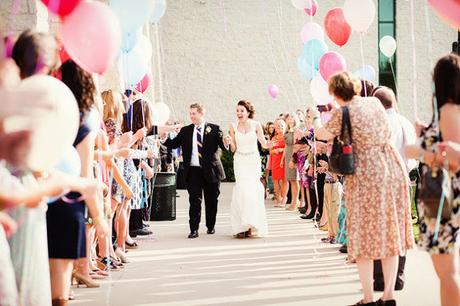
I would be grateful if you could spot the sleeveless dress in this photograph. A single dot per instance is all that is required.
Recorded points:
(248, 204)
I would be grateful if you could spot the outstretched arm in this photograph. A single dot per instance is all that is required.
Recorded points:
(231, 132)
(260, 135)
(222, 143)
(176, 142)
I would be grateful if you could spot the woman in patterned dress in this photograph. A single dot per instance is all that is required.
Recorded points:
(377, 194)
(444, 250)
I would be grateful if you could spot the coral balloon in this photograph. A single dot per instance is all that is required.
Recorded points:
(337, 28)
(144, 84)
(92, 36)
(387, 45)
(311, 30)
(53, 130)
(311, 11)
(359, 14)
(449, 10)
(273, 91)
(61, 7)
(331, 63)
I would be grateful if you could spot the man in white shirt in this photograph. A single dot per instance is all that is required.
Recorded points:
(402, 130)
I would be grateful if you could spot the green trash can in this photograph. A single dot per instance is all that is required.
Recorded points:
(163, 197)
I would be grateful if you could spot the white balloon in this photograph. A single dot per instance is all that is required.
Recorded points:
(302, 4)
(53, 131)
(158, 11)
(319, 90)
(387, 45)
(93, 119)
(311, 30)
(162, 112)
(145, 46)
(367, 72)
(359, 14)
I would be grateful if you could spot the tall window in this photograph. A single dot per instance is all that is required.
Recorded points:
(387, 26)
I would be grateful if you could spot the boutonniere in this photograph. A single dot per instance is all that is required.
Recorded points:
(208, 130)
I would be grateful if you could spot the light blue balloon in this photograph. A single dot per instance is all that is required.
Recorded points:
(129, 40)
(69, 164)
(305, 69)
(313, 50)
(132, 14)
(158, 11)
(366, 72)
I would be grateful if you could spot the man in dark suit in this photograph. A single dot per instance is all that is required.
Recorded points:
(203, 169)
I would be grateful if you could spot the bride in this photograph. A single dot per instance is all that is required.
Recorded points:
(248, 205)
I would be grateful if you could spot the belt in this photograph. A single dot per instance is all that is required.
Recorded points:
(245, 154)
(330, 182)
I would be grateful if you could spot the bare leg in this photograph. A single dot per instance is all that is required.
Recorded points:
(366, 270)
(446, 266)
(284, 191)
(294, 194)
(390, 270)
(122, 228)
(60, 275)
(82, 264)
(276, 186)
(302, 196)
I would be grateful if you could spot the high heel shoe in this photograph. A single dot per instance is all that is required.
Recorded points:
(83, 280)
(60, 302)
(241, 235)
(248, 233)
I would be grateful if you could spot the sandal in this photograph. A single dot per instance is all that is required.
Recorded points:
(131, 245)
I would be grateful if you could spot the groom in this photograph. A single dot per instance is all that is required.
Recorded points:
(203, 169)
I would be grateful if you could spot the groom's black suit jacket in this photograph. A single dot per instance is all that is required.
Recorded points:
(212, 140)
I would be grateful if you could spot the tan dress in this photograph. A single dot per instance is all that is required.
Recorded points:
(378, 200)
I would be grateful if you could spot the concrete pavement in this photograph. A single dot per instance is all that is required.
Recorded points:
(289, 267)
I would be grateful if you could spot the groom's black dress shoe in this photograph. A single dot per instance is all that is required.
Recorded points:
(211, 231)
(193, 234)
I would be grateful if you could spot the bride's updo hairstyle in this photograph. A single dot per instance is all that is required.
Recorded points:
(342, 85)
(248, 106)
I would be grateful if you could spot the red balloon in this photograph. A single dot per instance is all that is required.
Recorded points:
(61, 7)
(330, 64)
(312, 11)
(449, 10)
(337, 28)
(144, 84)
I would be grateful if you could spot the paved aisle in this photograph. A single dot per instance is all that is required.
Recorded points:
(289, 267)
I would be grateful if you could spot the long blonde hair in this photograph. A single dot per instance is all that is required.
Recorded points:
(289, 127)
(113, 107)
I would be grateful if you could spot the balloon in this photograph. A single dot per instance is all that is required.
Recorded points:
(273, 91)
(313, 50)
(61, 7)
(53, 130)
(337, 28)
(311, 30)
(311, 11)
(129, 40)
(387, 45)
(92, 37)
(305, 68)
(135, 64)
(163, 112)
(8, 46)
(359, 14)
(449, 10)
(367, 72)
(320, 91)
(145, 47)
(69, 164)
(93, 119)
(302, 4)
(132, 14)
(144, 84)
(331, 63)
(158, 11)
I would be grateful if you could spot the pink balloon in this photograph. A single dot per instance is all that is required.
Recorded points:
(92, 36)
(144, 84)
(314, 7)
(273, 91)
(312, 30)
(449, 10)
(331, 63)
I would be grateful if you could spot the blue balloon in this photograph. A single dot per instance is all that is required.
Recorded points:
(367, 72)
(129, 40)
(158, 11)
(69, 164)
(305, 68)
(313, 50)
(132, 14)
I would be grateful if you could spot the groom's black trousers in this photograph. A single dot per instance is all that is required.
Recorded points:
(196, 187)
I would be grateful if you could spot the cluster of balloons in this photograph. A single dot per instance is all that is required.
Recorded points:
(136, 49)
(316, 63)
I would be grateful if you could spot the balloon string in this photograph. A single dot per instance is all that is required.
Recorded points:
(414, 61)
(362, 59)
(160, 75)
(393, 73)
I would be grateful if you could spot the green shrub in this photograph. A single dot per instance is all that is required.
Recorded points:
(227, 162)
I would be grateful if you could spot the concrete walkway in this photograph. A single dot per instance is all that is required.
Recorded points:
(290, 267)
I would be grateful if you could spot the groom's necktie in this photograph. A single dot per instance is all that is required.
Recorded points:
(199, 142)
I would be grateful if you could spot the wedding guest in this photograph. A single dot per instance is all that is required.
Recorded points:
(277, 163)
(291, 174)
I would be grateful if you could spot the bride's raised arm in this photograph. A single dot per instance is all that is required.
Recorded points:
(260, 135)
(232, 144)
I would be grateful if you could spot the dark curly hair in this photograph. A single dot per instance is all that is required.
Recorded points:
(33, 51)
(81, 84)
(248, 106)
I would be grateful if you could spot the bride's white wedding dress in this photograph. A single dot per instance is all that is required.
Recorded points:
(248, 204)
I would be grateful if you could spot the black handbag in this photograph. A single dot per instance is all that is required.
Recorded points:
(435, 190)
(342, 159)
